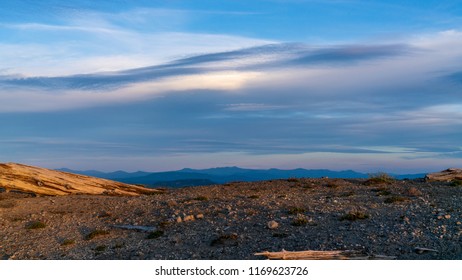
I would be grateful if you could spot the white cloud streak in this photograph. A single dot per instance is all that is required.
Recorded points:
(377, 81)
(92, 42)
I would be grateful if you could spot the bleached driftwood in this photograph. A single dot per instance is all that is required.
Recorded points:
(322, 255)
(42, 181)
(421, 250)
(446, 175)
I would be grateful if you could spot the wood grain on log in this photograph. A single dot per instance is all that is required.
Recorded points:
(447, 175)
(322, 255)
(42, 181)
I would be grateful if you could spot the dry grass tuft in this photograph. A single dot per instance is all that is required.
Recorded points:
(35, 225)
(7, 204)
(395, 199)
(68, 242)
(224, 239)
(95, 233)
(296, 210)
(354, 215)
(155, 234)
(456, 183)
(293, 180)
(379, 178)
(300, 221)
(413, 191)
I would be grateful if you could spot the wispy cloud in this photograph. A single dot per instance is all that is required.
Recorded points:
(82, 42)
(251, 107)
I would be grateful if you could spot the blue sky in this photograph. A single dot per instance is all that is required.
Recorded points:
(163, 85)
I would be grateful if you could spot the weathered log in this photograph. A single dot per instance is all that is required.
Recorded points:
(447, 175)
(421, 250)
(323, 255)
(42, 181)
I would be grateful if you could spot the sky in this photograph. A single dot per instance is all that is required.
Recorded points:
(164, 85)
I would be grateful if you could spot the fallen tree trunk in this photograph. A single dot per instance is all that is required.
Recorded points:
(322, 255)
(447, 175)
(42, 181)
(421, 250)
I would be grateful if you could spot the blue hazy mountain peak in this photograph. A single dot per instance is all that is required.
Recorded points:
(221, 175)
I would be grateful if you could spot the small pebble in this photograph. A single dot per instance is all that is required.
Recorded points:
(189, 218)
(273, 224)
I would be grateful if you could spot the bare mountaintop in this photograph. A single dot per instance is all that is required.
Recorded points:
(379, 216)
(42, 181)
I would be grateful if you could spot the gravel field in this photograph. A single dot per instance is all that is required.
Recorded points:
(237, 220)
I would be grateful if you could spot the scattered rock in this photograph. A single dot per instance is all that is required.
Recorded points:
(406, 220)
(179, 219)
(273, 225)
(172, 203)
(188, 218)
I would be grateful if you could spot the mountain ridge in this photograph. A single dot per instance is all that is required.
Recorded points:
(221, 175)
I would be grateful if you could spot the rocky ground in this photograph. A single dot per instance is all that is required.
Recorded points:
(234, 221)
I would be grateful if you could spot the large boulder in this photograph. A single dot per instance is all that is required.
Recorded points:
(42, 181)
(447, 175)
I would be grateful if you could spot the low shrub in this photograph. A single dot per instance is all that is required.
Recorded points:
(224, 238)
(300, 221)
(155, 234)
(280, 235)
(379, 178)
(96, 233)
(347, 194)
(395, 199)
(296, 210)
(101, 248)
(382, 191)
(7, 204)
(293, 180)
(354, 215)
(332, 185)
(456, 183)
(118, 246)
(35, 225)
(68, 242)
(413, 191)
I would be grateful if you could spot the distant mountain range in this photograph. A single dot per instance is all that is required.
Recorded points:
(221, 175)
